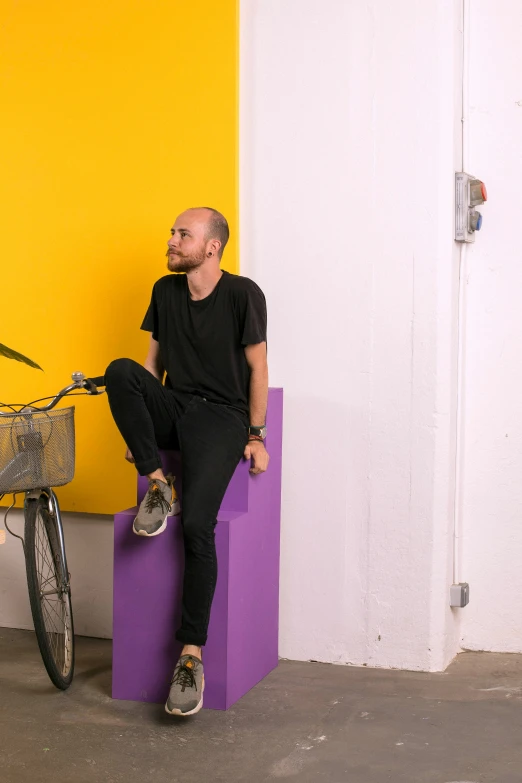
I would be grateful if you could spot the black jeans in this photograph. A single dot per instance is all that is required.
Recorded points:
(211, 439)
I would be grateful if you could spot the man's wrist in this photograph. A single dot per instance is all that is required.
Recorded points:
(257, 433)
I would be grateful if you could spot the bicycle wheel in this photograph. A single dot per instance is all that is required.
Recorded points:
(49, 592)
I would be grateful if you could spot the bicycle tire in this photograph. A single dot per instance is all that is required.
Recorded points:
(43, 554)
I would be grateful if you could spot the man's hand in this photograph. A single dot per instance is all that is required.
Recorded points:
(128, 456)
(255, 451)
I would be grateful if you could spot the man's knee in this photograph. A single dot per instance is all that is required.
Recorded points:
(119, 370)
(198, 533)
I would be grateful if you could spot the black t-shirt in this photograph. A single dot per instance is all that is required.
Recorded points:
(202, 341)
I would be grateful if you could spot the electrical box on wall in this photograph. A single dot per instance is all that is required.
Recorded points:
(459, 594)
(470, 192)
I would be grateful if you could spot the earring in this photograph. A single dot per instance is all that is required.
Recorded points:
(209, 254)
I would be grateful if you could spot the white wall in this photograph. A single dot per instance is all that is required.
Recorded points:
(349, 142)
(492, 499)
(350, 134)
(89, 546)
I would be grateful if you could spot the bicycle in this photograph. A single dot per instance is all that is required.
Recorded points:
(37, 451)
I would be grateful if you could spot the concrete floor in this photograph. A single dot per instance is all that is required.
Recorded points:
(306, 722)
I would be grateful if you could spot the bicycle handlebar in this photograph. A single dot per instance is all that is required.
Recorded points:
(92, 384)
(79, 382)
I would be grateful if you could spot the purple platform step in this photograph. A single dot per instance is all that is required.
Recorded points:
(242, 645)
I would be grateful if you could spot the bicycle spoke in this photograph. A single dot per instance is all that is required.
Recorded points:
(43, 542)
(54, 637)
(47, 605)
(47, 583)
(41, 547)
(58, 638)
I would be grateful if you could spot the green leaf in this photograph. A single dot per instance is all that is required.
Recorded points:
(18, 357)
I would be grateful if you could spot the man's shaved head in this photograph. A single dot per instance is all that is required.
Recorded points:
(217, 226)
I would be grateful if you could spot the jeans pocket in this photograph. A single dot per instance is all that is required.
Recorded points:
(231, 411)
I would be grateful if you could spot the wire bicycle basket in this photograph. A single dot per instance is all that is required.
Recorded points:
(37, 449)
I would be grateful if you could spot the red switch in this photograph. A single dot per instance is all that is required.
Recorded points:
(484, 192)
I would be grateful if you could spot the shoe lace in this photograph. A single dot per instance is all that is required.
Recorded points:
(184, 676)
(156, 499)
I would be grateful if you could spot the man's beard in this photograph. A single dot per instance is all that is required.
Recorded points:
(180, 263)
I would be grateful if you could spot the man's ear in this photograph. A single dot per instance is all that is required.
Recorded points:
(214, 247)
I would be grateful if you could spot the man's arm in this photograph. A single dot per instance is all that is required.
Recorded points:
(153, 362)
(258, 399)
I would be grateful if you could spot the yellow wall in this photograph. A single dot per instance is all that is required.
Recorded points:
(116, 115)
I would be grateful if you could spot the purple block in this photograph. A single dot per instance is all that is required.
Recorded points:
(242, 642)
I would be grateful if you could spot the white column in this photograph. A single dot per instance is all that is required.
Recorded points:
(350, 123)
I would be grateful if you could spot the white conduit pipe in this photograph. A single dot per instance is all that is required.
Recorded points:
(457, 511)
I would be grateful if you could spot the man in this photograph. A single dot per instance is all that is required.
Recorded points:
(209, 337)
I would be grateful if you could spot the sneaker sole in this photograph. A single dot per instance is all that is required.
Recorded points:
(159, 530)
(185, 714)
(192, 712)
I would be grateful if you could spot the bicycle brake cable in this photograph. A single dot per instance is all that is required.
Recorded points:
(5, 521)
(43, 399)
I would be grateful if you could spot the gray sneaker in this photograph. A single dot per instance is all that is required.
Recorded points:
(186, 687)
(159, 503)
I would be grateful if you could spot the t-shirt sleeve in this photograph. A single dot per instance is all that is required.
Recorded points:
(253, 315)
(150, 322)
